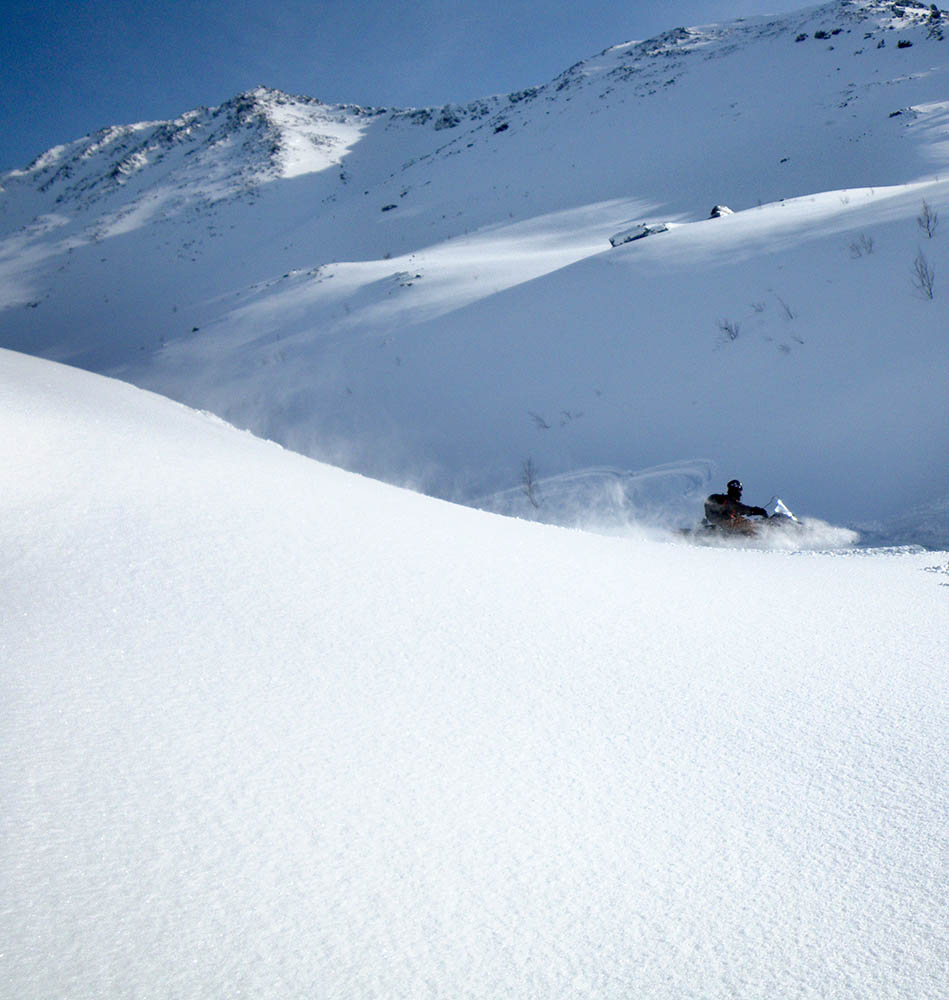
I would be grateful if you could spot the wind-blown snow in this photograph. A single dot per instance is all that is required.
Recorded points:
(272, 729)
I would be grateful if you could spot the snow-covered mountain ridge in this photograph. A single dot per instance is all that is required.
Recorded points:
(262, 130)
(429, 295)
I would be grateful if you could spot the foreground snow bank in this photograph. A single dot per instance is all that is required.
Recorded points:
(271, 729)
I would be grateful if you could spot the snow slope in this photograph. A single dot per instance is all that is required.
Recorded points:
(273, 729)
(430, 296)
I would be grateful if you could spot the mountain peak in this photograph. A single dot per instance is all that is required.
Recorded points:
(256, 136)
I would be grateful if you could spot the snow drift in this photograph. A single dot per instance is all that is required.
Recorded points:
(430, 296)
(272, 729)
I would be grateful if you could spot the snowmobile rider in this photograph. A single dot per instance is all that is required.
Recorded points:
(727, 510)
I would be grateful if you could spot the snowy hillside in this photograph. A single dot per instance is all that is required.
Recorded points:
(430, 296)
(272, 729)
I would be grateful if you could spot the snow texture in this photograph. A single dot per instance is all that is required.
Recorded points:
(272, 729)
(430, 296)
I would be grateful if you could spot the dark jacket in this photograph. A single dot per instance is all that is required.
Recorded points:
(723, 509)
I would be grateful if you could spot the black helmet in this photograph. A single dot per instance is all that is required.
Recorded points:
(734, 486)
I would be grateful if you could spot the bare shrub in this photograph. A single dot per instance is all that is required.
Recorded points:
(730, 329)
(785, 308)
(927, 220)
(923, 275)
(861, 246)
(539, 421)
(529, 482)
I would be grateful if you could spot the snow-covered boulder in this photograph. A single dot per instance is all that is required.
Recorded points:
(719, 210)
(637, 232)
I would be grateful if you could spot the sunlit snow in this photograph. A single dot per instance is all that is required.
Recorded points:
(271, 728)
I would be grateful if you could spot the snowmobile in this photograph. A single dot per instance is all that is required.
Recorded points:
(779, 522)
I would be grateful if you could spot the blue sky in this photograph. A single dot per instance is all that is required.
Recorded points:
(68, 67)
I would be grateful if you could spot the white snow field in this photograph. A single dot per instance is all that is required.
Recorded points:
(270, 729)
(430, 296)
(273, 729)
